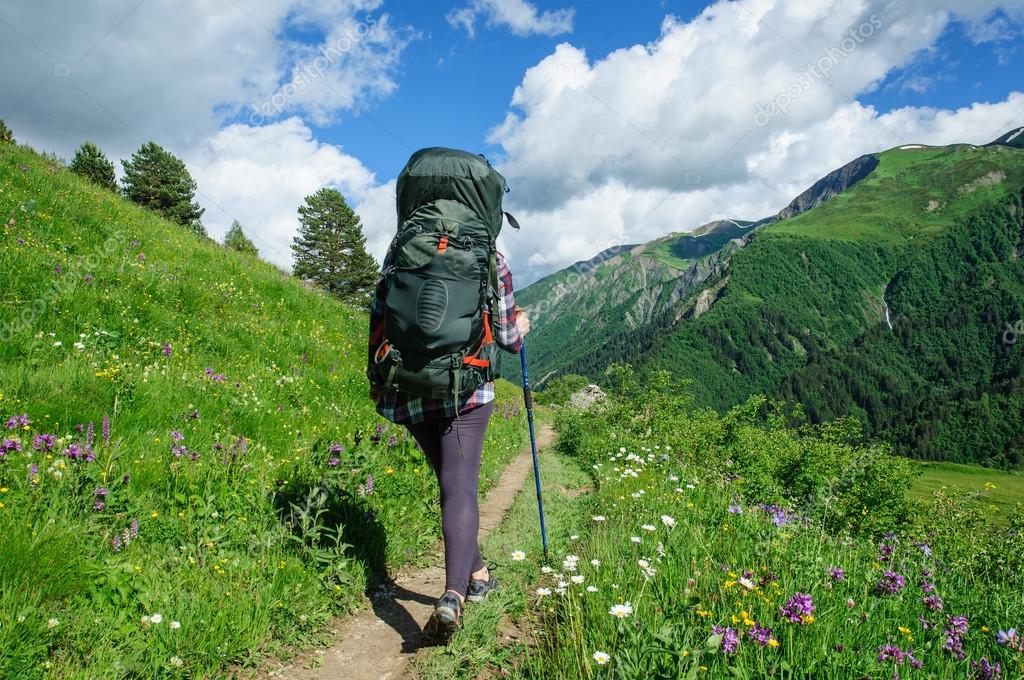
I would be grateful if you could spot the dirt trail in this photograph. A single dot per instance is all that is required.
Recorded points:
(378, 643)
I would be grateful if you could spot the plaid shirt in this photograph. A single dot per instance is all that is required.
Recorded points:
(404, 408)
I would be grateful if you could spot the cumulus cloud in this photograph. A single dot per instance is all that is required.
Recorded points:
(122, 72)
(521, 17)
(260, 175)
(731, 113)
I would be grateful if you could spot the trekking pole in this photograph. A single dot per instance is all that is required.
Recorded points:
(528, 398)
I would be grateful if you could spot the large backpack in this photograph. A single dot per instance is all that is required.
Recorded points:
(440, 277)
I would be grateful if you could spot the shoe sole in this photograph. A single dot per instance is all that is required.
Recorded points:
(442, 625)
(481, 598)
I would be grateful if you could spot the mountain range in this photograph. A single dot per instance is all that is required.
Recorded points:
(891, 290)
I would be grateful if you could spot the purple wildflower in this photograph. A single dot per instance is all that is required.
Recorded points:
(43, 442)
(14, 422)
(305, 358)
(837, 574)
(141, 257)
(933, 602)
(800, 605)
(954, 640)
(90, 435)
(736, 509)
(177, 436)
(885, 551)
(168, 350)
(983, 670)
(334, 462)
(57, 269)
(897, 655)
(74, 452)
(99, 506)
(88, 278)
(101, 492)
(33, 475)
(762, 635)
(730, 639)
(9, 446)
(116, 543)
(891, 583)
(392, 441)
(336, 448)
(179, 451)
(106, 430)
(369, 485)
(779, 515)
(925, 548)
(376, 437)
(926, 586)
(1010, 639)
(133, 529)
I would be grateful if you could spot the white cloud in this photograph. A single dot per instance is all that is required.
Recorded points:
(116, 72)
(261, 175)
(732, 113)
(521, 17)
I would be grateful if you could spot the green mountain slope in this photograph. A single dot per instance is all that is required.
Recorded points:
(245, 487)
(801, 306)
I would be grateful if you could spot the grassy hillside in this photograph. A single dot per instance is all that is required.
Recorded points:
(188, 435)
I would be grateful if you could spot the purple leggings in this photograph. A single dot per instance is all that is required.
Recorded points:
(453, 447)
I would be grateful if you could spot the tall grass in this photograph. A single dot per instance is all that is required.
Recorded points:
(244, 491)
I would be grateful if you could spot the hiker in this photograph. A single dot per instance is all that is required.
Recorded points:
(442, 307)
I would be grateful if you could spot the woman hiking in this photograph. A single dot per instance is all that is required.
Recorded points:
(443, 306)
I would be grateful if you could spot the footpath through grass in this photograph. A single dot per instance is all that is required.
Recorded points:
(191, 471)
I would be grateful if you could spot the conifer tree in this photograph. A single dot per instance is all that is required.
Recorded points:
(330, 248)
(5, 133)
(91, 163)
(236, 239)
(158, 180)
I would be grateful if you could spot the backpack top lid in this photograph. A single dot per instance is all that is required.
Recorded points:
(437, 173)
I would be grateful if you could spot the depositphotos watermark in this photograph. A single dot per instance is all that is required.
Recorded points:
(815, 72)
(305, 75)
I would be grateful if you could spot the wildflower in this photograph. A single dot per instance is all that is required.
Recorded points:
(378, 434)
(746, 583)
(99, 506)
(762, 635)
(518, 555)
(984, 670)
(543, 592)
(837, 574)
(897, 655)
(648, 527)
(668, 521)
(177, 661)
(621, 611)
(577, 579)
(778, 514)
(101, 492)
(167, 349)
(116, 543)
(546, 569)
(885, 551)
(735, 509)
(156, 619)
(891, 583)
(599, 518)
(9, 446)
(954, 636)
(1010, 639)
(933, 602)
(52, 623)
(106, 430)
(591, 589)
(595, 562)
(334, 462)
(798, 608)
(730, 639)
(175, 625)
(43, 442)
(635, 539)
(601, 658)
(574, 537)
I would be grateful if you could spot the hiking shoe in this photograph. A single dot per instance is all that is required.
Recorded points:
(445, 619)
(479, 590)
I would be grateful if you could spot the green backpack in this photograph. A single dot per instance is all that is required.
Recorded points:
(440, 277)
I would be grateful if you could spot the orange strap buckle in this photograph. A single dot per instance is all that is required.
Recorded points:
(442, 245)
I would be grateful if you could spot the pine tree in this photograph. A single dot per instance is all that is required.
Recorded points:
(91, 163)
(5, 133)
(236, 239)
(330, 248)
(158, 180)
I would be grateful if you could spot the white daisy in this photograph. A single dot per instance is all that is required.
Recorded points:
(668, 521)
(543, 592)
(52, 623)
(591, 589)
(518, 555)
(635, 539)
(156, 619)
(577, 579)
(601, 658)
(599, 518)
(621, 611)
(595, 562)
(648, 527)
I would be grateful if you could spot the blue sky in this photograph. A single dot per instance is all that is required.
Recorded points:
(463, 87)
(615, 122)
